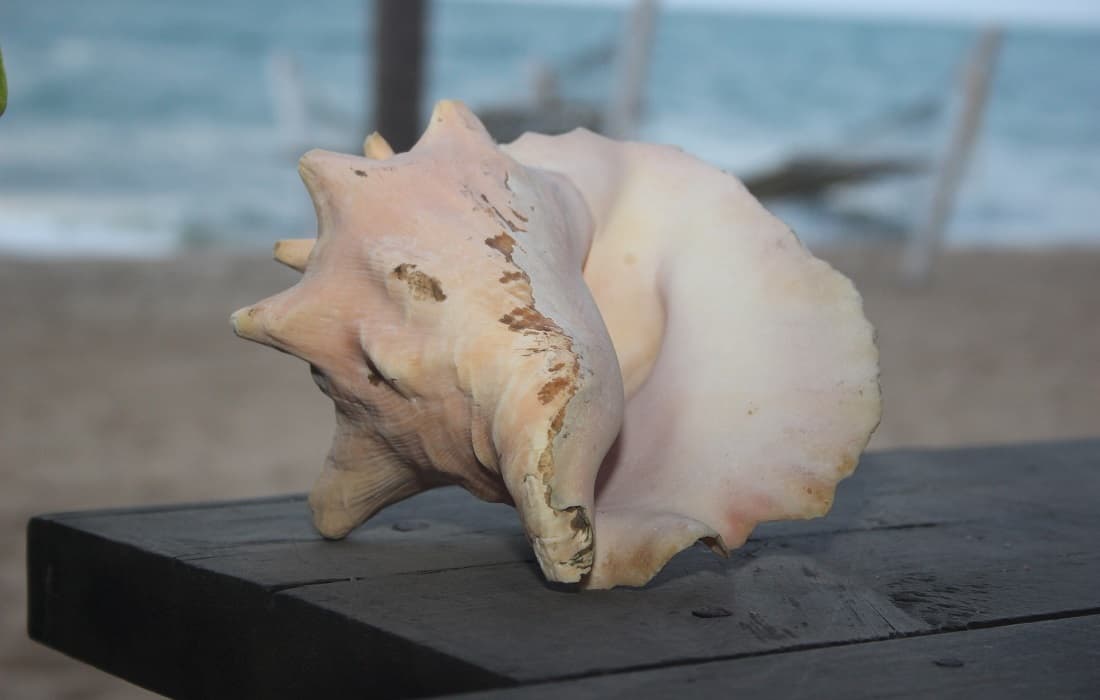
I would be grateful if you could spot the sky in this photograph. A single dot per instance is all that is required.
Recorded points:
(1067, 13)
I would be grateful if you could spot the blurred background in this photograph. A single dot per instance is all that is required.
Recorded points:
(143, 130)
(945, 155)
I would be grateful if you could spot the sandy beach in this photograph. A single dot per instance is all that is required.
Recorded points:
(123, 384)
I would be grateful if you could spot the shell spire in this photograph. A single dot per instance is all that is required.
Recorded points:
(613, 337)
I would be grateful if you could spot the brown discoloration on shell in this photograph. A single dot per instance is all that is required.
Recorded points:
(374, 375)
(583, 559)
(822, 500)
(716, 545)
(568, 386)
(421, 286)
(633, 561)
(847, 465)
(580, 522)
(360, 173)
(491, 209)
(503, 244)
(515, 276)
(552, 388)
(561, 390)
(528, 318)
(512, 226)
(580, 519)
(816, 498)
(559, 417)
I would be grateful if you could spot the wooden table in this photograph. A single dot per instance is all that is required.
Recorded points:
(963, 573)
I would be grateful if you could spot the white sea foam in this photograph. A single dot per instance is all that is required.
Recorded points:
(154, 129)
(79, 227)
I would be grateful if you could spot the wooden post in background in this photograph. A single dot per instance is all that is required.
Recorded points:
(3, 87)
(398, 30)
(924, 245)
(625, 106)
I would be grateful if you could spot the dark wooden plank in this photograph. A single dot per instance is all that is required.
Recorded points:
(966, 574)
(271, 541)
(1050, 660)
(901, 488)
(129, 592)
(189, 632)
(244, 599)
(505, 621)
(782, 593)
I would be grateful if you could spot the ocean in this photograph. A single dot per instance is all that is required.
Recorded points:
(141, 128)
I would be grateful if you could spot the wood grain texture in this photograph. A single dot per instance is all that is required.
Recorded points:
(502, 619)
(1050, 660)
(440, 593)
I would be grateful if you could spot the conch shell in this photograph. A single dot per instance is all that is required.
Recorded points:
(616, 338)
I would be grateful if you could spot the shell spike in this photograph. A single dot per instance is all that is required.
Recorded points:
(452, 125)
(377, 148)
(329, 178)
(289, 322)
(357, 481)
(247, 325)
(294, 252)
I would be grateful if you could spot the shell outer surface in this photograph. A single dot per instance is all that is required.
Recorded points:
(615, 338)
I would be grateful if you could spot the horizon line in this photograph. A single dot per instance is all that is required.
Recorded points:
(1063, 14)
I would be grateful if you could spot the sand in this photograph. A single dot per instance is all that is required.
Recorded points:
(122, 384)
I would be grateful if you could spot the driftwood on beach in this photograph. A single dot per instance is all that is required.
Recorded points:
(798, 176)
(810, 176)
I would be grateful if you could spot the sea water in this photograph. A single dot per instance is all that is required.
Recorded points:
(139, 128)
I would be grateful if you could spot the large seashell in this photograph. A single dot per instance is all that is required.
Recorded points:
(614, 337)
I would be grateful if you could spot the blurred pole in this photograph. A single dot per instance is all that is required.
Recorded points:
(398, 33)
(923, 247)
(625, 107)
(284, 79)
(3, 86)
